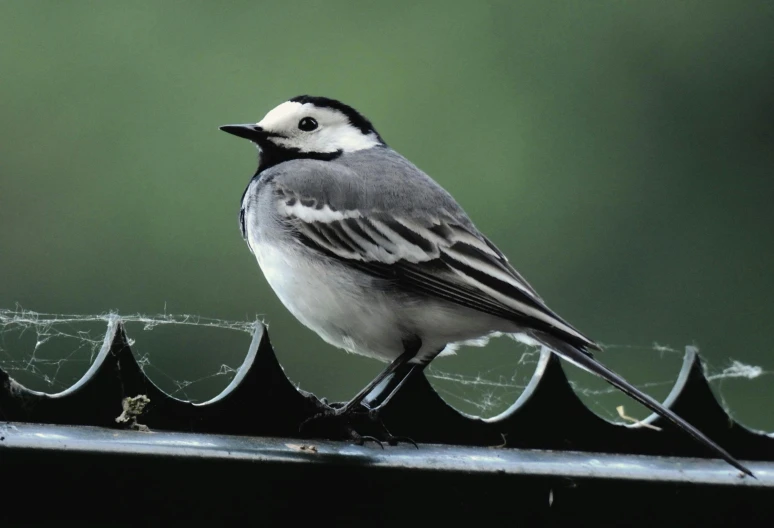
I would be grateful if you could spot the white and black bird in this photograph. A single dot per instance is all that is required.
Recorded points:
(377, 258)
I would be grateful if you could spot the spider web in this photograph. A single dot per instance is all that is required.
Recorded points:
(50, 352)
(653, 368)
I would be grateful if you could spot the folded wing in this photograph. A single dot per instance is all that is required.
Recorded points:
(431, 255)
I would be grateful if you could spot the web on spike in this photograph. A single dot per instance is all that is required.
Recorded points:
(50, 352)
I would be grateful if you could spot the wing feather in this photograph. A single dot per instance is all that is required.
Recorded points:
(433, 256)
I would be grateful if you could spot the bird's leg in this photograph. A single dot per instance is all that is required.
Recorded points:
(384, 393)
(389, 387)
(375, 395)
(395, 371)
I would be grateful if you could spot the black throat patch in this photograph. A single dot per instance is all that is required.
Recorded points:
(272, 155)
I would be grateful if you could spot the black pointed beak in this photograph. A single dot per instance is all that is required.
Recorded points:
(252, 132)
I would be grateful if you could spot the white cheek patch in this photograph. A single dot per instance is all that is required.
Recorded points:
(347, 139)
(344, 138)
(335, 132)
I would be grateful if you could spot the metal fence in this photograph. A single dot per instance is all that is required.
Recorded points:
(570, 465)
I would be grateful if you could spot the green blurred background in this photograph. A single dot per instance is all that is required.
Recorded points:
(621, 153)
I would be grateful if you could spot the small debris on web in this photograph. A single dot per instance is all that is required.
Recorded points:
(304, 448)
(737, 369)
(134, 407)
(623, 416)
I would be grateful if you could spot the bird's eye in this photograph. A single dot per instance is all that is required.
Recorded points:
(307, 124)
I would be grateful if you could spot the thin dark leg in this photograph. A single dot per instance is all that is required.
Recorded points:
(393, 376)
(340, 421)
(382, 395)
(390, 386)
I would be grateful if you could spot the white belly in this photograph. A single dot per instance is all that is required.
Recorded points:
(345, 308)
(344, 313)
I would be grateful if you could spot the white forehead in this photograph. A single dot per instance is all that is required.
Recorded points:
(290, 112)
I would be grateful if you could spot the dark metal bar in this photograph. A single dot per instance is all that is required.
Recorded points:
(99, 476)
(431, 457)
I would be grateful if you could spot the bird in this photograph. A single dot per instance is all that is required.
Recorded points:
(378, 259)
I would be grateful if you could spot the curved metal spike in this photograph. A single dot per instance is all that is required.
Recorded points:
(95, 399)
(550, 414)
(260, 400)
(547, 415)
(693, 399)
(418, 412)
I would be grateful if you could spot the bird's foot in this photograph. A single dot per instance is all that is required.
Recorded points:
(359, 425)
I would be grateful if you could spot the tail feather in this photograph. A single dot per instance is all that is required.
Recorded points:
(587, 362)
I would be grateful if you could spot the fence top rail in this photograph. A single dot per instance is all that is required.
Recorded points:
(428, 458)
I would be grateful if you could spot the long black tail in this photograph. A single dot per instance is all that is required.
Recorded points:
(587, 362)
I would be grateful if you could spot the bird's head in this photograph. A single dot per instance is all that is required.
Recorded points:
(308, 127)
